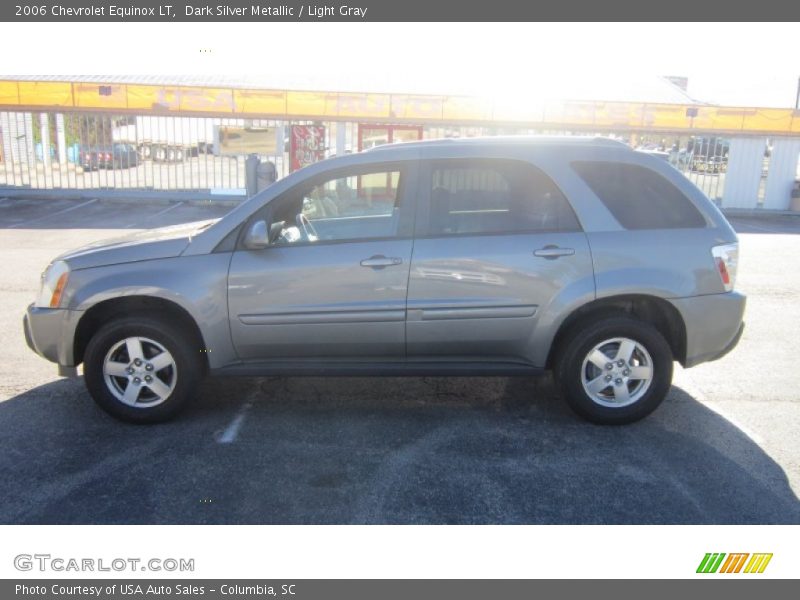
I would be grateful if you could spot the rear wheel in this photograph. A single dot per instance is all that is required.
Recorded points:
(141, 370)
(614, 371)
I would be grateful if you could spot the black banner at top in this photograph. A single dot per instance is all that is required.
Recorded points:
(394, 10)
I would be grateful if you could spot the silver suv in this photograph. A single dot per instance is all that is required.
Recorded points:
(495, 256)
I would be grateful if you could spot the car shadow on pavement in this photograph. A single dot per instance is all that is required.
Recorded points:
(392, 450)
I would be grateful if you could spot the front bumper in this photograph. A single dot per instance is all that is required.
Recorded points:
(50, 332)
(714, 325)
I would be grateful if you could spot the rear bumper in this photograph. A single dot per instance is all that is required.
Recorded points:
(50, 332)
(714, 325)
(732, 344)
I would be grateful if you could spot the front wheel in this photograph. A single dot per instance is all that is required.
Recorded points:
(141, 370)
(614, 371)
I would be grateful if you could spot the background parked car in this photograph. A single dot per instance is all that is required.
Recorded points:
(90, 158)
(123, 156)
(115, 156)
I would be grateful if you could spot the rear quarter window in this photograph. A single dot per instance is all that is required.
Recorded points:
(638, 197)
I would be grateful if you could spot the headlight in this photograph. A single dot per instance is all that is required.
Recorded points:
(54, 281)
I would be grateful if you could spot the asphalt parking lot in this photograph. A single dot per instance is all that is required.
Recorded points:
(723, 448)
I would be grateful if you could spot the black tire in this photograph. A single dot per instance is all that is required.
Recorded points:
(575, 348)
(184, 350)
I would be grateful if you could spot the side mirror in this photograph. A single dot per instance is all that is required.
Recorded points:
(257, 237)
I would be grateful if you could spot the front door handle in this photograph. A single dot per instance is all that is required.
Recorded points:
(381, 261)
(552, 252)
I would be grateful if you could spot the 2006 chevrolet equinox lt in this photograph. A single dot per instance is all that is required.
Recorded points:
(493, 256)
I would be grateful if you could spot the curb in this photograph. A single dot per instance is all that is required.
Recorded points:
(133, 197)
(758, 212)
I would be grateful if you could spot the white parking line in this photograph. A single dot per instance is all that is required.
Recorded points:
(51, 215)
(159, 213)
(231, 432)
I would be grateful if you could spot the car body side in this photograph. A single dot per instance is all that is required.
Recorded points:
(659, 272)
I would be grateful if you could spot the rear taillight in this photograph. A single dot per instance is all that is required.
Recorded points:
(726, 259)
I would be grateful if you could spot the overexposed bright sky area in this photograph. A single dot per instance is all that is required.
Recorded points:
(730, 64)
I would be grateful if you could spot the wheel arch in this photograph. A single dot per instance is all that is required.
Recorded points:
(102, 312)
(651, 309)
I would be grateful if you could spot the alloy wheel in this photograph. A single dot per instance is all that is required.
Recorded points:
(140, 372)
(617, 372)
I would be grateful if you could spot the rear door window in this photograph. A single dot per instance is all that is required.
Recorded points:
(638, 197)
(495, 196)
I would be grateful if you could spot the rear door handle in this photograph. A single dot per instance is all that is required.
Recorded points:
(553, 252)
(381, 261)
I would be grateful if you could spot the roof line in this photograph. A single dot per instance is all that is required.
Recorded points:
(563, 140)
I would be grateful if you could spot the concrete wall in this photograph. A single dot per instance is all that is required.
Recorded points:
(745, 173)
(782, 173)
(743, 176)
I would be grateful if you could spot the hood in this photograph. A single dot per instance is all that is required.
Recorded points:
(164, 242)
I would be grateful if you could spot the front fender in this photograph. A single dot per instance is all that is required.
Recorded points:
(198, 284)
